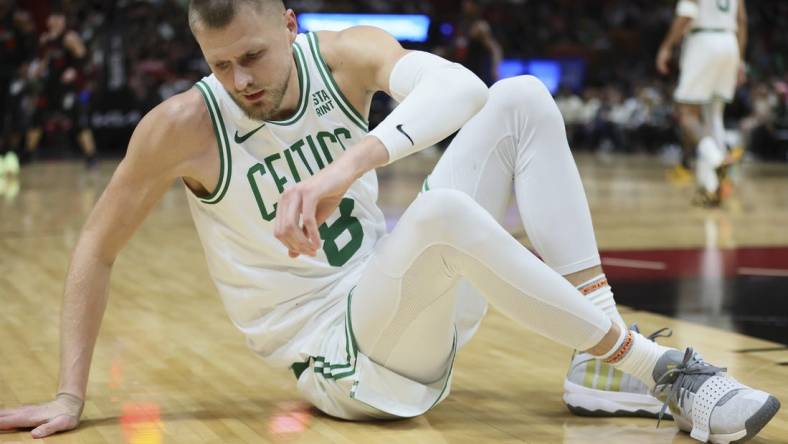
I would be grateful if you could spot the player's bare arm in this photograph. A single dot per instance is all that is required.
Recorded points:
(363, 60)
(741, 27)
(165, 145)
(74, 44)
(741, 37)
(677, 30)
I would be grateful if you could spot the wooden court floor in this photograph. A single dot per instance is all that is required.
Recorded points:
(170, 368)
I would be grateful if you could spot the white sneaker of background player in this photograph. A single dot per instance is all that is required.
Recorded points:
(709, 404)
(710, 157)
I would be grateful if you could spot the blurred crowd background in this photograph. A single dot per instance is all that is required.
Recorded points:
(139, 52)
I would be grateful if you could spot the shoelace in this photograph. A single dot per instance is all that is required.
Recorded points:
(664, 332)
(685, 378)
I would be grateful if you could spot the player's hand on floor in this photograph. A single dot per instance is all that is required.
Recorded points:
(304, 207)
(59, 415)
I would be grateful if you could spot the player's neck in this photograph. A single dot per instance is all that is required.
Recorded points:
(290, 101)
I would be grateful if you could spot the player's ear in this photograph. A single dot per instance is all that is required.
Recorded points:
(292, 24)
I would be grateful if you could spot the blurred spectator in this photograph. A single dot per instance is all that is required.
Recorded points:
(17, 40)
(765, 129)
(141, 52)
(63, 99)
(474, 44)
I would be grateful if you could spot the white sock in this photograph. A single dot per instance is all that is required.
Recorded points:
(598, 292)
(710, 156)
(622, 336)
(636, 355)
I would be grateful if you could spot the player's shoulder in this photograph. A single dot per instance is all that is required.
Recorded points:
(180, 125)
(179, 115)
(363, 55)
(354, 43)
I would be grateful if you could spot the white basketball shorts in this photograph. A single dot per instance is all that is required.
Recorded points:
(709, 67)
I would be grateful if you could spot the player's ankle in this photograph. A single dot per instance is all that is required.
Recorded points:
(639, 356)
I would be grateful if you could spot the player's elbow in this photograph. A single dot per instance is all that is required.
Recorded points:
(469, 89)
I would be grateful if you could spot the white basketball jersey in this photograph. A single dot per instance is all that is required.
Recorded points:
(281, 304)
(716, 15)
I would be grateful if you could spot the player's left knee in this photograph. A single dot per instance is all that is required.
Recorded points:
(443, 213)
(526, 94)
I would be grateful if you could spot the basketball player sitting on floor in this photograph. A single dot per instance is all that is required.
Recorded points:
(279, 169)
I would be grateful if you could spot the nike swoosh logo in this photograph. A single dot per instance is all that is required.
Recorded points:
(399, 128)
(241, 139)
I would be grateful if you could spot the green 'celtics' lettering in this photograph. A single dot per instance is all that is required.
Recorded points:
(288, 166)
(338, 256)
(297, 148)
(279, 181)
(344, 132)
(267, 215)
(312, 147)
(723, 5)
(321, 136)
(291, 165)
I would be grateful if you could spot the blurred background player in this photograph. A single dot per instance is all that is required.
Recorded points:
(714, 34)
(475, 45)
(16, 42)
(62, 95)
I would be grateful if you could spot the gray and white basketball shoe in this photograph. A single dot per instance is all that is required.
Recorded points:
(707, 403)
(593, 388)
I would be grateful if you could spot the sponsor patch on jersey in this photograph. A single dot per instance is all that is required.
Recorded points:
(322, 102)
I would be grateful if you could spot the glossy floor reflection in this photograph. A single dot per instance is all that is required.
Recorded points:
(739, 289)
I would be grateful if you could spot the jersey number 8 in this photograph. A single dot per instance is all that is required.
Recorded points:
(336, 256)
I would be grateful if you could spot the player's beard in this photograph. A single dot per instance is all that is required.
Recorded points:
(271, 104)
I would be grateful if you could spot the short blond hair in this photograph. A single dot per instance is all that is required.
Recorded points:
(217, 14)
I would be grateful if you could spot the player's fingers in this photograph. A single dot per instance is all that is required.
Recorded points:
(309, 217)
(58, 424)
(8, 422)
(659, 63)
(313, 236)
(282, 223)
(293, 230)
(23, 410)
(9, 412)
(281, 208)
(19, 421)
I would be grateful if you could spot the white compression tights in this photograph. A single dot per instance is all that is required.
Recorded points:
(711, 149)
(519, 138)
(403, 307)
(713, 121)
(517, 142)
